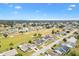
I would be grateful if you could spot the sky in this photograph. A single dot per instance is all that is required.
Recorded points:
(39, 11)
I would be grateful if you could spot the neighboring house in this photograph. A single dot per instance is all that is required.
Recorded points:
(39, 41)
(24, 47)
(12, 52)
(65, 46)
(48, 37)
(12, 30)
(23, 30)
(62, 49)
(63, 33)
(68, 44)
(72, 40)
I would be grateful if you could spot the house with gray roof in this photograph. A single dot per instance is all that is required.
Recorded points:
(62, 49)
(39, 41)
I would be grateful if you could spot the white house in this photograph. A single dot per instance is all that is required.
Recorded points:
(72, 40)
(24, 47)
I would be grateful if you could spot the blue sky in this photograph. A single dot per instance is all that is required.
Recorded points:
(39, 11)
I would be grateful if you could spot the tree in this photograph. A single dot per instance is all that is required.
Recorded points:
(5, 35)
(52, 48)
(67, 31)
(0, 46)
(55, 45)
(35, 34)
(64, 40)
(53, 32)
(11, 44)
(39, 35)
(20, 31)
(24, 25)
(30, 41)
(11, 48)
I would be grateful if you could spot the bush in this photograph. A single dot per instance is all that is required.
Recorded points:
(11, 44)
(19, 54)
(30, 41)
(11, 48)
(0, 46)
(35, 34)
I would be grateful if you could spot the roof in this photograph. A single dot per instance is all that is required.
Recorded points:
(24, 47)
(65, 48)
(72, 40)
(12, 52)
(62, 49)
(39, 41)
(47, 37)
(69, 44)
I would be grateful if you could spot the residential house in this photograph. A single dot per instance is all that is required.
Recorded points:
(24, 47)
(62, 49)
(39, 41)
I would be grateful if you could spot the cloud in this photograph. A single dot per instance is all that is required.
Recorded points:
(73, 5)
(70, 9)
(18, 7)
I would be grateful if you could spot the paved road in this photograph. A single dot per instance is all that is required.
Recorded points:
(52, 44)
